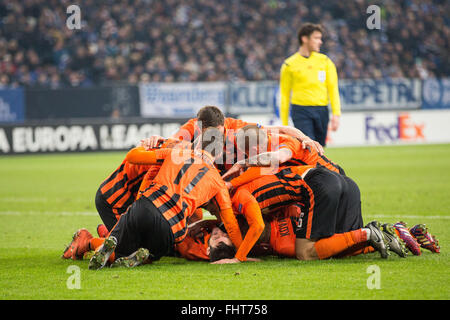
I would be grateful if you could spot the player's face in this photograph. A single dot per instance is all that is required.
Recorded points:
(314, 41)
(218, 236)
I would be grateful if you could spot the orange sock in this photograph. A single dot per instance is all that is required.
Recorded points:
(94, 243)
(362, 248)
(338, 243)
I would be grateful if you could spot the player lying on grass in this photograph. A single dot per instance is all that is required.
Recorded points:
(210, 242)
(206, 241)
(157, 220)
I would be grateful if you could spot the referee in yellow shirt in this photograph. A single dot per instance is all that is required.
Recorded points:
(308, 83)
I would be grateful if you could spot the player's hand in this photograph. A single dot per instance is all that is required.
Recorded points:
(226, 261)
(152, 142)
(312, 144)
(228, 185)
(335, 121)
(195, 230)
(234, 169)
(253, 259)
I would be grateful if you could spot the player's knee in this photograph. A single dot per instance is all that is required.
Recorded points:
(305, 250)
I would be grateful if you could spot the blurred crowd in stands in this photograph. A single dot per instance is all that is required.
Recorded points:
(135, 41)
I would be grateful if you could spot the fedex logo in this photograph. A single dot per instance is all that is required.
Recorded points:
(403, 129)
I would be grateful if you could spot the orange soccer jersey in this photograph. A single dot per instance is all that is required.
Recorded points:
(120, 189)
(273, 191)
(282, 236)
(187, 180)
(153, 170)
(300, 156)
(194, 248)
(266, 194)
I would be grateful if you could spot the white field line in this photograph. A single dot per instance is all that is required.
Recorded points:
(207, 214)
(446, 217)
(50, 213)
(20, 200)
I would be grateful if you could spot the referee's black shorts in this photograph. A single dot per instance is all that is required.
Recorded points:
(143, 226)
(336, 208)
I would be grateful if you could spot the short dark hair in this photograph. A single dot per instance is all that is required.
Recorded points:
(210, 116)
(222, 251)
(307, 29)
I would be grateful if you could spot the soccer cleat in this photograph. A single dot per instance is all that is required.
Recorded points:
(409, 240)
(133, 260)
(102, 231)
(424, 238)
(377, 239)
(395, 244)
(79, 245)
(102, 254)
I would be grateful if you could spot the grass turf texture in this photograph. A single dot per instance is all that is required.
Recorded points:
(45, 198)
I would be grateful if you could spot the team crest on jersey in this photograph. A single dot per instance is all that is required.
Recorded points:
(322, 75)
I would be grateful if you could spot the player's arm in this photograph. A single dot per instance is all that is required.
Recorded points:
(139, 155)
(252, 213)
(298, 134)
(227, 216)
(285, 93)
(265, 159)
(186, 131)
(249, 175)
(333, 94)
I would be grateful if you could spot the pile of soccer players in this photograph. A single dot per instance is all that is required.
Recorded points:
(271, 189)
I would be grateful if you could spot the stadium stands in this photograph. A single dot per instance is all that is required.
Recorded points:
(207, 40)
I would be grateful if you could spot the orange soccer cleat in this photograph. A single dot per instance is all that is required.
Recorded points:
(79, 245)
(102, 231)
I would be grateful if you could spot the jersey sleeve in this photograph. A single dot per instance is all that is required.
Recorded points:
(333, 88)
(248, 176)
(186, 131)
(245, 201)
(236, 124)
(227, 216)
(139, 155)
(285, 93)
(289, 143)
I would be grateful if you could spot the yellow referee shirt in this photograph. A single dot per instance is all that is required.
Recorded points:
(313, 81)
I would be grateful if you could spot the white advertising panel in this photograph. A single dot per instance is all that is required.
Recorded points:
(382, 128)
(166, 100)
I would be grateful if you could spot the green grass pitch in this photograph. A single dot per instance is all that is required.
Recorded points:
(44, 199)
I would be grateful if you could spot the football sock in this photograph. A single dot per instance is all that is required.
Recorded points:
(361, 248)
(94, 243)
(339, 242)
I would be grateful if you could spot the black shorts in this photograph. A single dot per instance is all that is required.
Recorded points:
(105, 211)
(312, 121)
(143, 226)
(336, 208)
